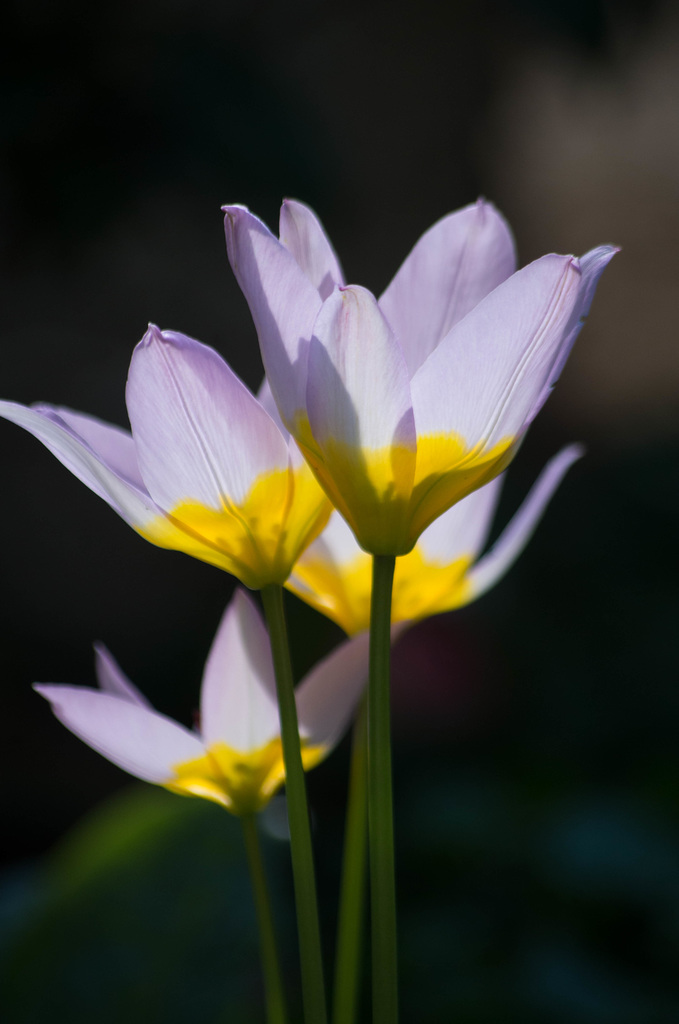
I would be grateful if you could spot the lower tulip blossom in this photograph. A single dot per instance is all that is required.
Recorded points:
(405, 405)
(206, 470)
(442, 572)
(235, 759)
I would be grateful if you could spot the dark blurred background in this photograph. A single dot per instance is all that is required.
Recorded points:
(537, 763)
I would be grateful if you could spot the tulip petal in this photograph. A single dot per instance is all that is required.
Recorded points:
(137, 739)
(283, 303)
(134, 505)
(112, 679)
(114, 445)
(201, 436)
(462, 530)
(483, 378)
(489, 569)
(238, 696)
(454, 265)
(592, 265)
(302, 233)
(358, 402)
(328, 695)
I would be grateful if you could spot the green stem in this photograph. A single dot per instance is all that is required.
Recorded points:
(352, 891)
(273, 984)
(380, 810)
(313, 986)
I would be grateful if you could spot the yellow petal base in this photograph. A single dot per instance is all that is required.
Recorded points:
(242, 782)
(390, 495)
(421, 588)
(258, 540)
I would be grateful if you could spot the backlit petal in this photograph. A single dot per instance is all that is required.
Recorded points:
(112, 679)
(452, 267)
(462, 531)
(74, 452)
(283, 302)
(201, 436)
(302, 233)
(328, 695)
(518, 532)
(140, 740)
(482, 380)
(238, 697)
(360, 416)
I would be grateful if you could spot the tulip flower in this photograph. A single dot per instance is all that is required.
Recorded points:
(205, 470)
(405, 405)
(235, 759)
(442, 572)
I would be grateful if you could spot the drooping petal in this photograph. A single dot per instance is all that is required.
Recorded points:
(112, 679)
(302, 233)
(328, 695)
(238, 697)
(489, 569)
(363, 440)
(201, 436)
(283, 302)
(114, 445)
(140, 740)
(454, 265)
(134, 505)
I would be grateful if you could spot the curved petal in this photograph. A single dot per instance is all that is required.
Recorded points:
(486, 573)
(454, 265)
(114, 445)
(334, 576)
(283, 303)
(201, 436)
(482, 380)
(592, 266)
(462, 531)
(112, 679)
(328, 695)
(238, 696)
(134, 505)
(302, 233)
(137, 739)
(360, 416)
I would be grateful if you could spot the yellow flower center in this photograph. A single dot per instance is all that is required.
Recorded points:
(242, 782)
(421, 588)
(259, 539)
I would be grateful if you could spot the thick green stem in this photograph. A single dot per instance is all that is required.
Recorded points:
(273, 984)
(380, 809)
(349, 956)
(313, 986)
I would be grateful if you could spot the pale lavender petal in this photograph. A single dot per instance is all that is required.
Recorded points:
(336, 545)
(114, 445)
(302, 233)
(454, 265)
(112, 679)
(140, 740)
(463, 530)
(200, 434)
(238, 697)
(592, 266)
(358, 391)
(516, 535)
(134, 505)
(283, 302)
(483, 379)
(328, 695)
